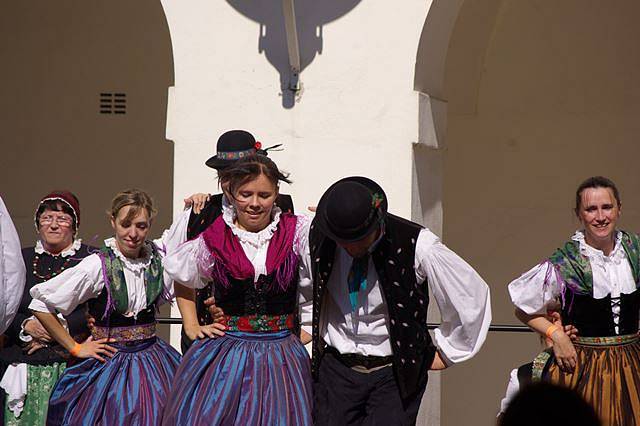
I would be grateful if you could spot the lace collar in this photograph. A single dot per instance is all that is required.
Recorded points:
(616, 255)
(256, 239)
(134, 265)
(39, 248)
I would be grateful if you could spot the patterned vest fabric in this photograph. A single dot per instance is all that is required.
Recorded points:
(110, 306)
(407, 300)
(593, 317)
(198, 223)
(575, 269)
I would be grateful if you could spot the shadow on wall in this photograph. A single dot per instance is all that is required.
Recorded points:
(310, 16)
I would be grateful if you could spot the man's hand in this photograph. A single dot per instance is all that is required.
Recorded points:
(34, 329)
(91, 321)
(304, 337)
(34, 346)
(217, 314)
(438, 363)
(197, 201)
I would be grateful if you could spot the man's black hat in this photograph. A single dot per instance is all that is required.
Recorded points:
(351, 209)
(232, 146)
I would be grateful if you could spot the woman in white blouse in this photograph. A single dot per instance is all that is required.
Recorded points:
(254, 257)
(593, 280)
(126, 371)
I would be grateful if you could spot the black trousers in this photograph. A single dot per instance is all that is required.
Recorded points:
(344, 396)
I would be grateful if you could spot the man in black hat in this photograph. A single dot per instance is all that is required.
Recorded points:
(232, 146)
(371, 277)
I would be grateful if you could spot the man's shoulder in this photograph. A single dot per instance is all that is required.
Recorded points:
(394, 220)
(200, 221)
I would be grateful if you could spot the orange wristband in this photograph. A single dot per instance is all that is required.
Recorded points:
(75, 350)
(552, 328)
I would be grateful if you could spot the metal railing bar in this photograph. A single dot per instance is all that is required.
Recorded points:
(430, 325)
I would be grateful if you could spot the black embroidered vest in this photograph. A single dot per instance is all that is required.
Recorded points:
(406, 299)
(594, 318)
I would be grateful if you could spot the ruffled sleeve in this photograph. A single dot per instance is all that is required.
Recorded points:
(537, 290)
(188, 263)
(71, 288)
(305, 285)
(12, 269)
(169, 241)
(176, 234)
(461, 294)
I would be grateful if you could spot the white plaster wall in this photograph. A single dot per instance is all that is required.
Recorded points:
(357, 114)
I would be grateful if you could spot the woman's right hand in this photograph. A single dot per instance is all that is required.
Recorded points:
(95, 348)
(197, 331)
(34, 329)
(565, 354)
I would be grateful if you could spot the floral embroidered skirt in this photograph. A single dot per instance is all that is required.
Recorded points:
(40, 381)
(243, 378)
(607, 375)
(129, 389)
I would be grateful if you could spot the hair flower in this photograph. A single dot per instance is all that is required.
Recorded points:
(377, 200)
(258, 145)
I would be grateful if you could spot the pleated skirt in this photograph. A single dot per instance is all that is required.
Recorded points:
(243, 379)
(129, 389)
(608, 377)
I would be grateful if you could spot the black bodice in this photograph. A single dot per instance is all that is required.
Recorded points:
(97, 308)
(594, 317)
(244, 297)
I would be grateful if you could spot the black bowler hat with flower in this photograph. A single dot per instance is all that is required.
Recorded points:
(234, 145)
(351, 209)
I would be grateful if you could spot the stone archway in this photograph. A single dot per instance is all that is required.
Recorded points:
(63, 64)
(531, 97)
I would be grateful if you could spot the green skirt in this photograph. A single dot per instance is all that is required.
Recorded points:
(40, 382)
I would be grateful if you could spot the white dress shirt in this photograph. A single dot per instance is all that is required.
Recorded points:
(462, 297)
(538, 290)
(12, 269)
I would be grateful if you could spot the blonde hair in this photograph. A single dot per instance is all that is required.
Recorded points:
(135, 198)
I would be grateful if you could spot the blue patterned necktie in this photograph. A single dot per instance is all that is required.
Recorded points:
(357, 279)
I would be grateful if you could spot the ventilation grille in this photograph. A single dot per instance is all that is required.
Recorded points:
(113, 103)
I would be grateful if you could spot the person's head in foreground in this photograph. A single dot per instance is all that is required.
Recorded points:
(549, 405)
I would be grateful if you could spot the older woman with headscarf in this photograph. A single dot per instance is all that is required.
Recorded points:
(31, 361)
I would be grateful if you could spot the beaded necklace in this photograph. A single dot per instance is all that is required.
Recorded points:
(50, 274)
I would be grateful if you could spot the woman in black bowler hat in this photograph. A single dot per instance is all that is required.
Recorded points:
(371, 275)
(232, 146)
